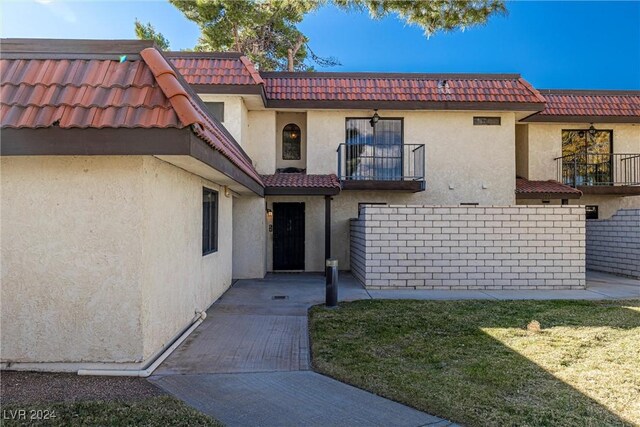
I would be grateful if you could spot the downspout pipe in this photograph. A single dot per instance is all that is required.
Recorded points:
(145, 372)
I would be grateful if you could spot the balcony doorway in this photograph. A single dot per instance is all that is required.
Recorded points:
(374, 149)
(587, 157)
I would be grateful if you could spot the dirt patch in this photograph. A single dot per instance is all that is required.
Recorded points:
(38, 387)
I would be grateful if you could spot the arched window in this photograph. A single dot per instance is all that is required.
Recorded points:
(291, 142)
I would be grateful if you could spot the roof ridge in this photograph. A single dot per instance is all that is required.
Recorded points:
(532, 89)
(390, 75)
(204, 55)
(251, 69)
(190, 114)
(55, 48)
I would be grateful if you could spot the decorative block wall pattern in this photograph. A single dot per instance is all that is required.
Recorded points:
(613, 245)
(469, 247)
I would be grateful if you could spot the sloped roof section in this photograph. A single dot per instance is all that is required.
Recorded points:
(70, 90)
(215, 68)
(301, 183)
(589, 106)
(545, 189)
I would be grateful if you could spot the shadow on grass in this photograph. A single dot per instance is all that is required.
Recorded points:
(465, 360)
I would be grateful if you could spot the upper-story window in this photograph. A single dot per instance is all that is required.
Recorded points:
(291, 141)
(216, 109)
(374, 148)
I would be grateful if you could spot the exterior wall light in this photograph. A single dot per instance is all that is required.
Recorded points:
(269, 213)
(592, 130)
(375, 118)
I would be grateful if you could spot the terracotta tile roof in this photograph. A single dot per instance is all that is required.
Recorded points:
(215, 68)
(300, 180)
(526, 187)
(590, 104)
(400, 87)
(143, 92)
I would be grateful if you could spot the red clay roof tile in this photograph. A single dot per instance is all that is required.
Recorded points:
(591, 103)
(399, 87)
(215, 68)
(143, 92)
(524, 186)
(300, 180)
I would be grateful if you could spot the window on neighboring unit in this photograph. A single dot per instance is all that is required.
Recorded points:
(291, 139)
(374, 149)
(216, 109)
(209, 221)
(591, 212)
(486, 121)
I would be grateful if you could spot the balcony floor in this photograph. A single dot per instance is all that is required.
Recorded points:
(369, 185)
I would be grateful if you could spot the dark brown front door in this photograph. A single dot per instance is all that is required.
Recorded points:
(288, 236)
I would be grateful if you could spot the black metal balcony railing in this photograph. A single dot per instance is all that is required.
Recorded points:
(378, 162)
(586, 169)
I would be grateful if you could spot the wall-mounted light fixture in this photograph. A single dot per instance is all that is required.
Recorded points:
(592, 130)
(227, 192)
(269, 213)
(375, 118)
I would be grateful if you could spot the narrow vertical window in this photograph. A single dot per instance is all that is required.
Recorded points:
(209, 221)
(291, 142)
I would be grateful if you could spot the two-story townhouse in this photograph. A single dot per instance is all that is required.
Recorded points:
(587, 139)
(328, 142)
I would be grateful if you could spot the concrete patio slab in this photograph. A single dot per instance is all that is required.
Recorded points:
(290, 399)
(231, 342)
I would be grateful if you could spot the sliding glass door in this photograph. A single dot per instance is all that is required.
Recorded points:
(374, 149)
(587, 157)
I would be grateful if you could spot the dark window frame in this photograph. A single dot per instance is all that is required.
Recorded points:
(401, 119)
(591, 212)
(298, 140)
(220, 104)
(210, 207)
(487, 120)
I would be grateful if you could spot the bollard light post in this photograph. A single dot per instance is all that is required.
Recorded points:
(332, 282)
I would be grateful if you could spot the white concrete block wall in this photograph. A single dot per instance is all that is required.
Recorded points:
(469, 247)
(613, 245)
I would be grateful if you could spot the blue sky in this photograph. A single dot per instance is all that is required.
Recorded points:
(552, 44)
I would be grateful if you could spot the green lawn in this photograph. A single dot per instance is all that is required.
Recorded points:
(475, 362)
(155, 411)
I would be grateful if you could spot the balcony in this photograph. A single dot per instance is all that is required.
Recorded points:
(381, 167)
(606, 174)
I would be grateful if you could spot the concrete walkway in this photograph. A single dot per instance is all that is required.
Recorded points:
(248, 364)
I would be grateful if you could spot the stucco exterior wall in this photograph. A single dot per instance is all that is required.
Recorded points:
(261, 140)
(177, 280)
(102, 258)
(283, 119)
(545, 144)
(249, 238)
(235, 113)
(522, 151)
(607, 205)
(464, 163)
(71, 259)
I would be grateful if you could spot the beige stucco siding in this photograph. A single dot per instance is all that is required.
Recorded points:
(261, 141)
(464, 163)
(607, 205)
(522, 151)
(102, 257)
(545, 144)
(249, 237)
(178, 280)
(235, 113)
(71, 257)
